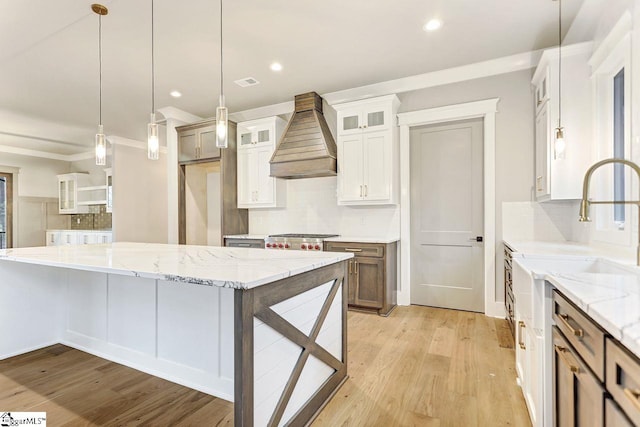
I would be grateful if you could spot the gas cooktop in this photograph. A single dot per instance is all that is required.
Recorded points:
(304, 236)
(299, 241)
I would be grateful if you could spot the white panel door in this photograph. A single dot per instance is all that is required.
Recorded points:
(377, 162)
(447, 267)
(351, 168)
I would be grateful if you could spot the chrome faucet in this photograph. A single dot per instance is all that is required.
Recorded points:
(584, 204)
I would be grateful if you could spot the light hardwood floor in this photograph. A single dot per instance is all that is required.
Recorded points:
(419, 367)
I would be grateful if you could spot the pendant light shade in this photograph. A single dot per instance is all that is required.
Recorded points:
(101, 145)
(222, 125)
(559, 145)
(153, 145)
(222, 115)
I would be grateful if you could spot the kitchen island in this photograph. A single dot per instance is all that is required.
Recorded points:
(264, 329)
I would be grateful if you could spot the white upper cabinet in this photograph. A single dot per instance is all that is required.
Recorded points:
(368, 151)
(109, 181)
(365, 117)
(257, 140)
(68, 185)
(559, 177)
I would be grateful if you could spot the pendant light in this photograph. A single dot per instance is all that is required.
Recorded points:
(153, 145)
(560, 145)
(101, 145)
(222, 115)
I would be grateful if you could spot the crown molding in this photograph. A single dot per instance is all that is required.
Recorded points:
(34, 153)
(173, 113)
(492, 67)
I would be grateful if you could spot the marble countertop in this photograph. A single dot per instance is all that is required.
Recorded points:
(607, 290)
(94, 230)
(620, 255)
(238, 268)
(383, 240)
(612, 300)
(246, 236)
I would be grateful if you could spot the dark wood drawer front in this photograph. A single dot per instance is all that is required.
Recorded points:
(581, 332)
(578, 396)
(613, 416)
(358, 249)
(623, 380)
(244, 243)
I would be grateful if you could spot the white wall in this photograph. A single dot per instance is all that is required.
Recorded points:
(35, 196)
(37, 176)
(514, 134)
(312, 207)
(139, 195)
(96, 173)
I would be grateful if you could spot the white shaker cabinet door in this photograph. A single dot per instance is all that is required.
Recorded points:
(264, 183)
(377, 165)
(352, 168)
(244, 178)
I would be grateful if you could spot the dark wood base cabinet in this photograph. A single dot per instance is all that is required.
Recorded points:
(596, 380)
(372, 275)
(578, 394)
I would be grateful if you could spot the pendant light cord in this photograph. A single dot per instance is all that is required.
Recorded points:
(221, 56)
(153, 65)
(559, 63)
(100, 66)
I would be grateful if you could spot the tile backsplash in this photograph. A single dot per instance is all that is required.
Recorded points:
(549, 221)
(97, 219)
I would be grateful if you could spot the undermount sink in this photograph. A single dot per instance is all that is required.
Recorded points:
(541, 266)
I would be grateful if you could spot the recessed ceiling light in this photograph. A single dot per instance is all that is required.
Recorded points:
(432, 25)
(175, 94)
(276, 66)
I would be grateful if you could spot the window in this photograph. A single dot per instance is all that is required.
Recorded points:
(618, 147)
(611, 71)
(6, 210)
(3, 212)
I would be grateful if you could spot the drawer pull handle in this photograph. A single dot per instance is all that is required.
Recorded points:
(577, 332)
(562, 353)
(633, 396)
(521, 325)
(352, 250)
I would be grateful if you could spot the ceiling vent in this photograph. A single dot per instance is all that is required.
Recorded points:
(246, 82)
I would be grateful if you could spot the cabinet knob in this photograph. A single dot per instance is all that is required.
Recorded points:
(364, 126)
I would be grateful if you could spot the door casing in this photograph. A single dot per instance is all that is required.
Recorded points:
(485, 109)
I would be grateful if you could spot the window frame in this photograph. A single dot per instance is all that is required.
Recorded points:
(604, 228)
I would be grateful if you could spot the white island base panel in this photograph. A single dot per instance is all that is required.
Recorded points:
(183, 333)
(178, 331)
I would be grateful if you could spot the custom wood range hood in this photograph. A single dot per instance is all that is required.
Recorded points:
(307, 148)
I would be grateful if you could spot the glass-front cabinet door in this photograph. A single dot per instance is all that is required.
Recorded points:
(350, 122)
(71, 194)
(376, 118)
(62, 196)
(254, 135)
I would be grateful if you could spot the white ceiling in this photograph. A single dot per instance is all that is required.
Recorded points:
(49, 60)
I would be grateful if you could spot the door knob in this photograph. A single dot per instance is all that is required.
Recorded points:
(476, 239)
